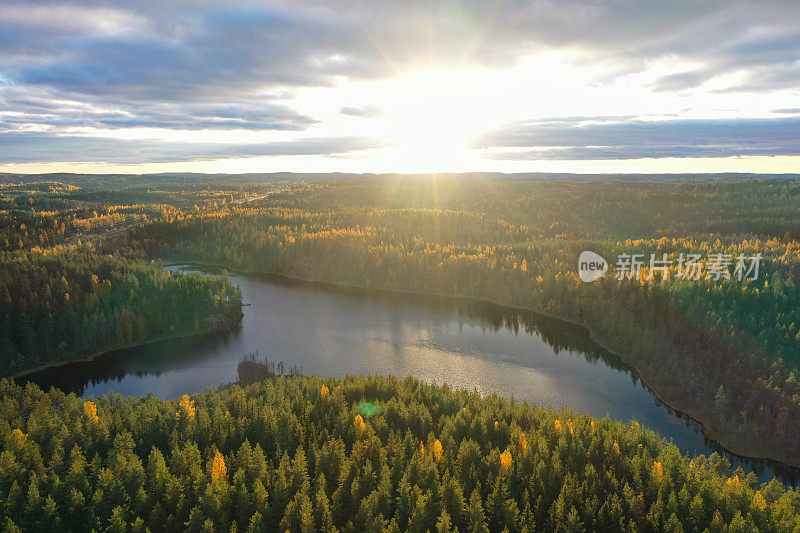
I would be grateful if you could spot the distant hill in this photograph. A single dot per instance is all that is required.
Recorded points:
(114, 181)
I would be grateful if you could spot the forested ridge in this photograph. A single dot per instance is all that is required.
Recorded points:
(58, 306)
(726, 351)
(61, 300)
(355, 454)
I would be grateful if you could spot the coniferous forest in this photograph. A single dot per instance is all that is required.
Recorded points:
(427, 266)
(81, 273)
(292, 453)
(723, 350)
(56, 306)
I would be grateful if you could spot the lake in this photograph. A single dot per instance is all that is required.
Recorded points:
(332, 330)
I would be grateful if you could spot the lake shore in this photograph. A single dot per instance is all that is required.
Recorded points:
(233, 323)
(735, 443)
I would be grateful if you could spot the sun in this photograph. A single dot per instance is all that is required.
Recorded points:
(429, 123)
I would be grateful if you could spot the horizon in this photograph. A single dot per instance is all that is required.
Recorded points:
(433, 175)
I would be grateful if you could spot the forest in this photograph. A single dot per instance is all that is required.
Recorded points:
(55, 307)
(294, 453)
(725, 351)
(81, 272)
(61, 300)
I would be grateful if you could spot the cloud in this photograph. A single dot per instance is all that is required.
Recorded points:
(363, 112)
(681, 80)
(42, 147)
(25, 109)
(763, 59)
(202, 65)
(160, 50)
(634, 139)
(68, 20)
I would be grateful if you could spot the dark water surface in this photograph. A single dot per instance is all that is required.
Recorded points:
(337, 331)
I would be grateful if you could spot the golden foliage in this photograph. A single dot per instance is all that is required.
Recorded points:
(359, 425)
(505, 461)
(522, 441)
(558, 425)
(186, 408)
(616, 447)
(438, 450)
(496, 425)
(658, 469)
(324, 390)
(18, 434)
(759, 502)
(90, 408)
(218, 468)
(734, 481)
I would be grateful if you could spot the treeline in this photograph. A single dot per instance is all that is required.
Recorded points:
(59, 306)
(60, 300)
(727, 351)
(355, 454)
(45, 214)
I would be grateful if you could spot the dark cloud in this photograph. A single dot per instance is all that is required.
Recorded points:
(765, 60)
(642, 152)
(202, 64)
(184, 48)
(38, 147)
(36, 108)
(644, 139)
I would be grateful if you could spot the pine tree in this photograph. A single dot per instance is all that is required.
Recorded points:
(117, 522)
(443, 523)
(476, 519)
(573, 523)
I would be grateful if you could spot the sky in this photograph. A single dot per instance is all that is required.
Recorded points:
(400, 86)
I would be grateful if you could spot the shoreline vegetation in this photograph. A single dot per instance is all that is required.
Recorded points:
(224, 325)
(732, 448)
(739, 449)
(305, 453)
(726, 353)
(67, 306)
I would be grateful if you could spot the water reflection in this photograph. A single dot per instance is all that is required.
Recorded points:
(333, 330)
